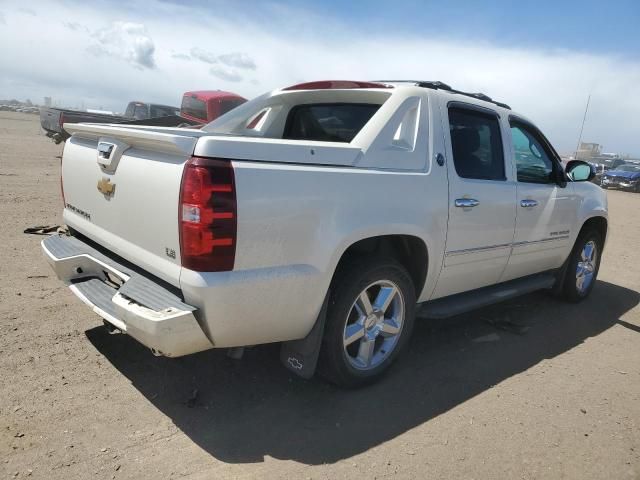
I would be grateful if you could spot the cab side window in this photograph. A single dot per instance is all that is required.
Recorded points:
(476, 144)
(533, 162)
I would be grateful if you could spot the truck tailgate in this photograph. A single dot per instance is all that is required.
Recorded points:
(121, 189)
(50, 119)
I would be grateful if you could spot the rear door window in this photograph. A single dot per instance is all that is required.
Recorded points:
(194, 107)
(328, 122)
(476, 143)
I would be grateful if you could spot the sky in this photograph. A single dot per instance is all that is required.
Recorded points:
(543, 58)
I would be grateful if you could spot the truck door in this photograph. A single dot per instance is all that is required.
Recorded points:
(482, 199)
(546, 210)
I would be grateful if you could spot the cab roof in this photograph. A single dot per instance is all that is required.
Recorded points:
(356, 84)
(211, 94)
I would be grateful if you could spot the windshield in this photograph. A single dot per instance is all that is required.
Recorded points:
(629, 168)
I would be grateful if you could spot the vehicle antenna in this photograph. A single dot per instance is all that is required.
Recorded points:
(582, 127)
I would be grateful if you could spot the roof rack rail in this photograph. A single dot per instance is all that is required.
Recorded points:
(437, 85)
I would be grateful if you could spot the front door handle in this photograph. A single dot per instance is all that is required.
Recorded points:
(528, 203)
(466, 202)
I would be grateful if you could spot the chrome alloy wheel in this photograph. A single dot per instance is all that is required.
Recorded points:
(586, 266)
(373, 325)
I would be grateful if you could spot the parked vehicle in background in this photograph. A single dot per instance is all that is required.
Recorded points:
(603, 164)
(207, 105)
(318, 216)
(52, 119)
(625, 177)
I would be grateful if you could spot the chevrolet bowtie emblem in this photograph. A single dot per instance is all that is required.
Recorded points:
(106, 187)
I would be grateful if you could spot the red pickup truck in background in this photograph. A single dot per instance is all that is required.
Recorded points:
(207, 105)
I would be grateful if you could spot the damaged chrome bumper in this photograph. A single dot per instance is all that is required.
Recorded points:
(128, 299)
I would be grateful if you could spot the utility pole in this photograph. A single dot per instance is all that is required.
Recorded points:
(582, 127)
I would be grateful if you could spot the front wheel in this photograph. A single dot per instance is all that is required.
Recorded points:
(369, 321)
(583, 266)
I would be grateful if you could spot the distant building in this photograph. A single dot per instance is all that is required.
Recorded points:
(47, 101)
(588, 150)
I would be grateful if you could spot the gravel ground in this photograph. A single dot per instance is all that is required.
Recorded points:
(556, 397)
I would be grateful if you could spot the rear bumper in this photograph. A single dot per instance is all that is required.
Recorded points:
(132, 301)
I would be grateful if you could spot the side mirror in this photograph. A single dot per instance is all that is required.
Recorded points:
(579, 171)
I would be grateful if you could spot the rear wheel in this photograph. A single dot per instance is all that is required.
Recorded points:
(583, 266)
(369, 321)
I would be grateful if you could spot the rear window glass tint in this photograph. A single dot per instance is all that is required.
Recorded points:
(194, 107)
(226, 105)
(140, 112)
(335, 122)
(162, 111)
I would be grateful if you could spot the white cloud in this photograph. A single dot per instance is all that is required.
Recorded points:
(126, 40)
(28, 11)
(180, 56)
(76, 27)
(203, 55)
(234, 59)
(238, 60)
(225, 73)
(550, 87)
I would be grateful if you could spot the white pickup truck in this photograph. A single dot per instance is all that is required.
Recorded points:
(321, 216)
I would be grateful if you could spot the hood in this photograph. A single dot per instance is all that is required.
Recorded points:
(623, 174)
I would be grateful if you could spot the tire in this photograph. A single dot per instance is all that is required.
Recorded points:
(574, 289)
(363, 352)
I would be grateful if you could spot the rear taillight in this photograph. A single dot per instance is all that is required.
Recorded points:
(207, 215)
(61, 120)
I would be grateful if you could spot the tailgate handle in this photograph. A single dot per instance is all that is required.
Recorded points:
(110, 151)
(105, 149)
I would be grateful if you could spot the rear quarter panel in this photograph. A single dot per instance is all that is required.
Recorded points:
(294, 224)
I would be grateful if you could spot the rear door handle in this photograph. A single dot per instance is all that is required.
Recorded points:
(528, 203)
(466, 202)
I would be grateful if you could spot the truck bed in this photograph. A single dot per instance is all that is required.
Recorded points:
(52, 120)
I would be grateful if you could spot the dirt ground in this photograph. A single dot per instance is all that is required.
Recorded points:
(557, 398)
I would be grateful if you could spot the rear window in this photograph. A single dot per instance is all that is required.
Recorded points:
(140, 112)
(226, 105)
(328, 122)
(162, 111)
(194, 107)
(134, 107)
